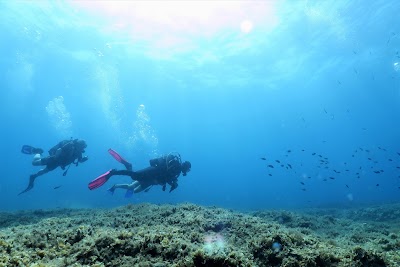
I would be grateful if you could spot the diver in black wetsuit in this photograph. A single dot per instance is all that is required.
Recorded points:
(62, 155)
(162, 171)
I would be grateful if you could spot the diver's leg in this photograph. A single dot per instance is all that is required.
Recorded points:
(37, 160)
(122, 186)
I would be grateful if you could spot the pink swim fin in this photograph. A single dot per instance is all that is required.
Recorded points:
(120, 159)
(99, 181)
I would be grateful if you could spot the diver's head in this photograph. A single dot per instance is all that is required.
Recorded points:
(186, 167)
(81, 144)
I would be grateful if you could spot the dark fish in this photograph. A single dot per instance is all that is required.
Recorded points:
(304, 150)
(364, 129)
(332, 178)
(270, 166)
(390, 160)
(289, 151)
(282, 165)
(302, 183)
(309, 177)
(326, 112)
(367, 150)
(352, 156)
(269, 174)
(377, 184)
(263, 158)
(290, 166)
(277, 161)
(398, 167)
(357, 173)
(382, 171)
(303, 189)
(347, 170)
(313, 154)
(398, 153)
(347, 186)
(336, 171)
(324, 179)
(361, 148)
(56, 187)
(377, 172)
(360, 167)
(369, 159)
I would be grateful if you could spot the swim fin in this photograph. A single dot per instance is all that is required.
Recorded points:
(29, 150)
(99, 181)
(30, 185)
(120, 159)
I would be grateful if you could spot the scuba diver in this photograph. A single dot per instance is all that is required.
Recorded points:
(62, 155)
(162, 171)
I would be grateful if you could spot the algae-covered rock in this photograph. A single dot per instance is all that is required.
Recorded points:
(190, 235)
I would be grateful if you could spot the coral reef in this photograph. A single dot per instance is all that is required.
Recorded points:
(191, 235)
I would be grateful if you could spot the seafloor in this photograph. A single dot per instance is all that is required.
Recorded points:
(191, 235)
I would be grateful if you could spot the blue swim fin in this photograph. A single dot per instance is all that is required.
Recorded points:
(29, 150)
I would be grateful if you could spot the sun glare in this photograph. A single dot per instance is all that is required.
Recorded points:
(177, 20)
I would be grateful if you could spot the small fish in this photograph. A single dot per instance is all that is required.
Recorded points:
(289, 151)
(264, 158)
(332, 178)
(367, 150)
(352, 156)
(269, 174)
(309, 177)
(361, 148)
(347, 170)
(398, 153)
(277, 161)
(56, 187)
(390, 159)
(270, 166)
(377, 184)
(302, 183)
(398, 167)
(326, 112)
(304, 150)
(282, 165)
(324, 179)
(347, 186)
(369, 159)
(313, 154)
(304, 189)
(336, 171)
(290, 166)
(364, 129)
(377, 172)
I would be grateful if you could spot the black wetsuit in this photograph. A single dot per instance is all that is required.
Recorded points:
(69, 153)
(162, 171)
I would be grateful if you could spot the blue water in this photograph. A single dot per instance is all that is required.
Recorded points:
(319, 76)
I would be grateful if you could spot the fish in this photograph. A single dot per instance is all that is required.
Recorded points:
(269, 174)
(367, 150)
(332, 178)
(377, 172)
(277, 161)
(390, 159)
(377, 184)
(398, 153)
(347, 186)
(289, 151)
(369, 159)
(290, 166)
(270, 166)
(304, 189)
(56, 187)
(263, 158)
(302, 183)
(313, 154)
